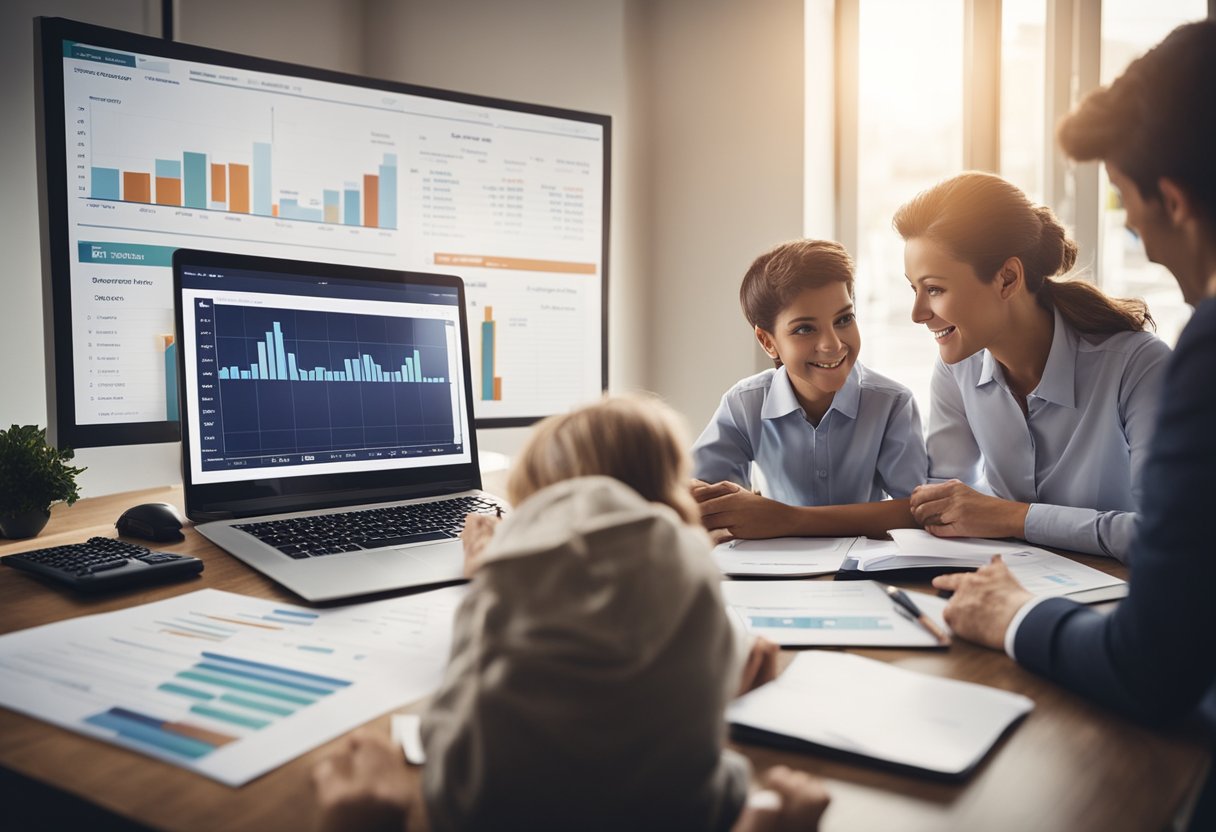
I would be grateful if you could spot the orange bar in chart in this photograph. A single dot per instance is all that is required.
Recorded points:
(371, 200)
(519, 264)
(219, 183)
(136, 187)
(168, 191)
(274, 210)
(238, 185)
(497, 388)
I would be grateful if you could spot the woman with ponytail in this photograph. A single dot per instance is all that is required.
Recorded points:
(1046, 391)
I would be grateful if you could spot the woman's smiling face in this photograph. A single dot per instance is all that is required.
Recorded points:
(963, 313)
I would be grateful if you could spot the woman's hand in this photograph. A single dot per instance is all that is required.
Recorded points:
(363, 786)
(476, 535)
(952, 509)
(760, 667)
(728, 510)
(792, 801)
(984, 602)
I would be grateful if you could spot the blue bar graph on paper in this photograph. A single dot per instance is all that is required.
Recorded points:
(277, 363)
(350, 205)
(105, 183)
(838, 622)
(168, 169)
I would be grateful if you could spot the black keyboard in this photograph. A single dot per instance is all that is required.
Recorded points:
(373, 528)
(103, 563)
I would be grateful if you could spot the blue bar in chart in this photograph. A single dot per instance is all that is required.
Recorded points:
(168, 169)
(290, 209)
(261, 178)
(171, 403)
(388, 191)
(105, 183)
(195, 180)
(350, 205)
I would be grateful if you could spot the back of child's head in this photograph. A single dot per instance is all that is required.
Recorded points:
(781, 274)
(635, 439)
(592, 658)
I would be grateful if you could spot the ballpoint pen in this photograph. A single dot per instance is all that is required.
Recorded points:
(901, 598)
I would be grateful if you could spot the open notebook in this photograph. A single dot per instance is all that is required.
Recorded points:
(848, 705)
(1040, 571)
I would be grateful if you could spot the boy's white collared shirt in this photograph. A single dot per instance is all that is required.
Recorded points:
(868, 444)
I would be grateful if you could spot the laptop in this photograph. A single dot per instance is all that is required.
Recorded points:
(327, 420)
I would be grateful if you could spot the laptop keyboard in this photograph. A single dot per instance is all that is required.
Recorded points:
(373, 528)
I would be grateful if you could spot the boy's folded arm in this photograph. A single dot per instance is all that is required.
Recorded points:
(869, 519)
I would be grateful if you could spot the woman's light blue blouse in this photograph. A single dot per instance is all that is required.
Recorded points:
(869, 443)
(1076, 456)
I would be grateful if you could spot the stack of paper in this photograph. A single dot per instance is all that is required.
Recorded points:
(830, 614)
(784, 557)
(1040, 571)
(841, 702)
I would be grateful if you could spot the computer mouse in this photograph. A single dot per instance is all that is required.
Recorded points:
(151, 521)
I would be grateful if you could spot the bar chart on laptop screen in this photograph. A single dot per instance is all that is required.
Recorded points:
(284, 386)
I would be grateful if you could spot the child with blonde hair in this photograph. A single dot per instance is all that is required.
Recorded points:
(593, 658)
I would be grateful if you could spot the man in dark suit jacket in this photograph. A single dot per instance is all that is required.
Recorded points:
(1154, 658)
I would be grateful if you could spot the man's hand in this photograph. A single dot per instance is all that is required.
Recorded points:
(476, 535)
(729, 511)
(793, 801)
(952, 509)
(760, 667)
(363, 786)
(984, 603)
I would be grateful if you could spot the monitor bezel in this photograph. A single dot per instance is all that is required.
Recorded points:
(63, 430)
(266, 495)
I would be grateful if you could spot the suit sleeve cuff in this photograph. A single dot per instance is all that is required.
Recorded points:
(1011, 633)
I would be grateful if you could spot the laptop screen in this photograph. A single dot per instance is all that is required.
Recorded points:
(311, 370)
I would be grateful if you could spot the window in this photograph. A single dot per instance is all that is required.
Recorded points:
(1023, 105)
(909, 137)
(1130, 28)
(903, 114)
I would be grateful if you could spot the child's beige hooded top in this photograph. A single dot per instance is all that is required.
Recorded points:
(590, 669)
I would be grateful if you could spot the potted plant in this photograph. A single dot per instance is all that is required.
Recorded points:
(33, 475)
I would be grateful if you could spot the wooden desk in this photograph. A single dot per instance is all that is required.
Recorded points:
(1069, 766)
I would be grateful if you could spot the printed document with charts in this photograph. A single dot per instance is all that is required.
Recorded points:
(226, 685)
(856, 706)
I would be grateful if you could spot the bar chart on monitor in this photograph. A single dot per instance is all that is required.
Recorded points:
(288, 386)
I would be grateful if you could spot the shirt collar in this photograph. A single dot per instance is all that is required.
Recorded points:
(1058, 383)
(781, 400)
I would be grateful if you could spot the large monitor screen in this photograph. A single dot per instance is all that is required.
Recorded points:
(147, 146)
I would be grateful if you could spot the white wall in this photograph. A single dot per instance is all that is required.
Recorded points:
(22, 365)
(725, 147)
